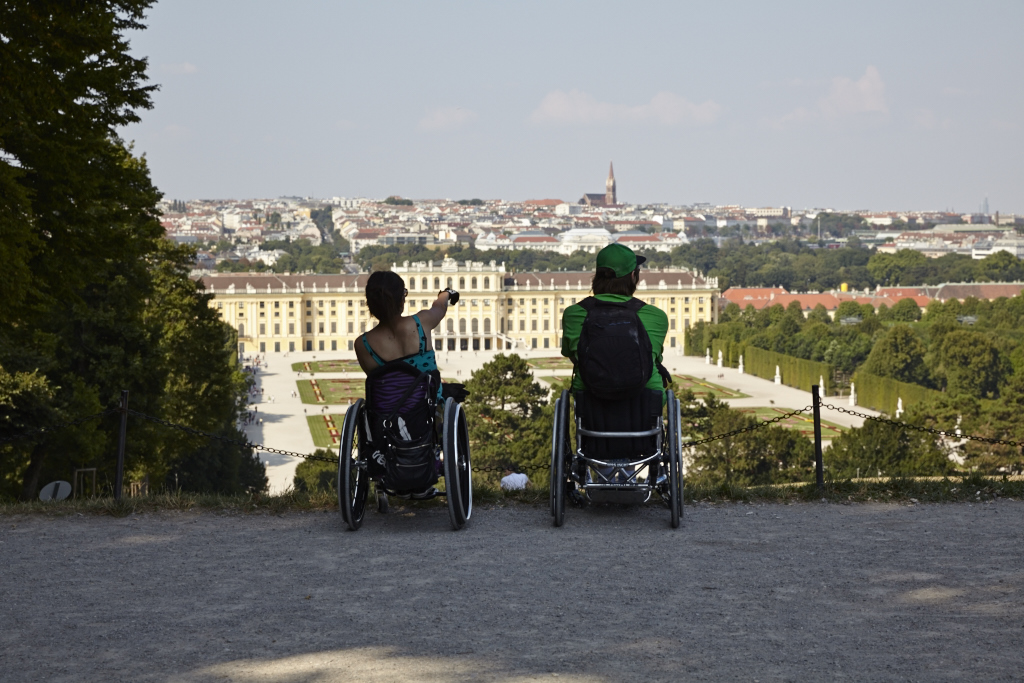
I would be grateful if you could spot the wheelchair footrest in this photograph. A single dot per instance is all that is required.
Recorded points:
(623, 495)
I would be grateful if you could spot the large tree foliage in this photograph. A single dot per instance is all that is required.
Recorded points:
(767, 455)
(877, 449)
(505, 410)
(89, 281)
(899, 354)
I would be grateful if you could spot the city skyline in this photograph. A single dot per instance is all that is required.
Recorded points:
(875, 106)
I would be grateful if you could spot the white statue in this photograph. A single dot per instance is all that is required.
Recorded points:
(821, 385)
(707, 356)
(899, 407)
(778, 375)
(959, 419)
(853, 394)
(719, 358)
(741, 364)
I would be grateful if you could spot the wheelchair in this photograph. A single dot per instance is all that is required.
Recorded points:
(391, 439)
(625, 451)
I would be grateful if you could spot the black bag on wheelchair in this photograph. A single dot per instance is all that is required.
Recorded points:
(616, 359)
(636, 414)
(398, 430)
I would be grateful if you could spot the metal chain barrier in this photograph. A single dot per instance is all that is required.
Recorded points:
(517, 468)
(57, 427)
(244, 444)
(760, 424)
(929, 430)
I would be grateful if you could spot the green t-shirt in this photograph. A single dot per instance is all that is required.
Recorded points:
(652, 318)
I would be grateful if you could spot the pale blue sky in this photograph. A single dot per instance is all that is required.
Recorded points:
(860, 105)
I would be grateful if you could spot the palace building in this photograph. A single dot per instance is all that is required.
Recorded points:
(275, 313)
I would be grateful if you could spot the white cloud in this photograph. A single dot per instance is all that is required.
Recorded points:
(846, 97)
(446, 118)
(577, 107)
(180, 69)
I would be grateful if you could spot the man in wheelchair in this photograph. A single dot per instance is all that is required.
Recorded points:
(615, 341)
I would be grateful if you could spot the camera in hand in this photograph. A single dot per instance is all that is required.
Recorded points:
(453, 296)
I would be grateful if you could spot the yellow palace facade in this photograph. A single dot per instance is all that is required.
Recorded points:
(275, 313)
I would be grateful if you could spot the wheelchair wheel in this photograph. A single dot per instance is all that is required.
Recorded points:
(674, 451)
(353, 483)
(560, 459)
(555, 439)
(458, 468)
(382, 501)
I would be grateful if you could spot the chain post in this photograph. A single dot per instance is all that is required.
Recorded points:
(119, 475)
(819, 466)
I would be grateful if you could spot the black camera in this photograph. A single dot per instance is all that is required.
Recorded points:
(453, 296)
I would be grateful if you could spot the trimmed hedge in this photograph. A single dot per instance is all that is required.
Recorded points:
(796, 372)
(883, 394)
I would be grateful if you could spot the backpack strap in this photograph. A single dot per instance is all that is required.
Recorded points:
(591, 302)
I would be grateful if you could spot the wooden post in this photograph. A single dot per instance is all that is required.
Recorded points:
(119, 475)
(819, 468)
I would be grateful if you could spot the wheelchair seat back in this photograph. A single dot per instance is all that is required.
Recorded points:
(636, 414)
(398, 429)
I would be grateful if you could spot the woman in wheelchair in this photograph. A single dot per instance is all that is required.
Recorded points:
(404, 434)
(397, 336)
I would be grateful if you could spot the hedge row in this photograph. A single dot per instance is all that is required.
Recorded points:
(796, 372)
(883, 394)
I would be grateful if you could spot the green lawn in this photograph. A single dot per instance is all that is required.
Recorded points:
(702, 388)
(326, 434)
(802, 423)
(327, 366)
(332, 391)
(558, 363)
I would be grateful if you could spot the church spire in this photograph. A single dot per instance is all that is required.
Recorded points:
(609, 187)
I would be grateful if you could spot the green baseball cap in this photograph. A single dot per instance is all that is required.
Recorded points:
(620, 258)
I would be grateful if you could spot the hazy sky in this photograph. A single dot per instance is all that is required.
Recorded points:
(860, 105)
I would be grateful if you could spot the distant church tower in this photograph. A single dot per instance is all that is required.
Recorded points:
(609, 187)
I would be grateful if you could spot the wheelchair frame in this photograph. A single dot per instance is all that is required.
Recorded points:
(572, 472)
(453, 453)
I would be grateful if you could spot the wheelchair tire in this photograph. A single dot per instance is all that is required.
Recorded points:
(554, 454)
(560, 461)
(353, 483)
(382, 502)
(675, 460)
(458, 469)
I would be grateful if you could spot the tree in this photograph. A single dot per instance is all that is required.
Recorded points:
(768, 455)
(905, 310)
(900, 355)
(504, 411)
(879, 449)
(971, 363)
(88, 266)
(316, 475)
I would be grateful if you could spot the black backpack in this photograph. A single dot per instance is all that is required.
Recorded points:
(614, 354)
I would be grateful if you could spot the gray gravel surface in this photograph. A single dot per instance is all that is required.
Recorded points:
(802, 592)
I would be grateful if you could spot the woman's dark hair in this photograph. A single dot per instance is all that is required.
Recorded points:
(384, 294)
(605, 282)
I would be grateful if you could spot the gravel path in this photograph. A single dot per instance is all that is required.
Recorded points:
(740, 592)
